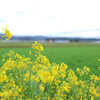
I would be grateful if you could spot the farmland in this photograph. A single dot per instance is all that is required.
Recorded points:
(73, 54)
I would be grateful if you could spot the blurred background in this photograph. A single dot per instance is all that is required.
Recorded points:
(68, 29)
(44, 20)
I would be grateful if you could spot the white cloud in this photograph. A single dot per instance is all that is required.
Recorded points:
(45, 17)
(88, 34)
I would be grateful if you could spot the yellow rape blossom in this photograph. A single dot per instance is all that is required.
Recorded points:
(41, 87)
(6, 34)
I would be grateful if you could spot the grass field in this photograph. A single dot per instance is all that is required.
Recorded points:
(73, 54)
(29, 44)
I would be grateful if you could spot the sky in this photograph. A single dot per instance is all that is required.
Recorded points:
(64, 18)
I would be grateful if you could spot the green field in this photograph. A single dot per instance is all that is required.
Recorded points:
(73, 54)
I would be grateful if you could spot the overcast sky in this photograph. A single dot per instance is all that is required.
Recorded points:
(66, 18)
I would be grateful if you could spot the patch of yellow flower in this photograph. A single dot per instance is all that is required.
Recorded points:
(26, 79)
(6, 34)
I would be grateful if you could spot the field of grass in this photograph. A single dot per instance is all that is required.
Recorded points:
(29, 44)
(73, 54)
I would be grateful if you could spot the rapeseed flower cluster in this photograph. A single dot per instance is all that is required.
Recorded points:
(83, 71)
(22, 78)
(6, 34)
